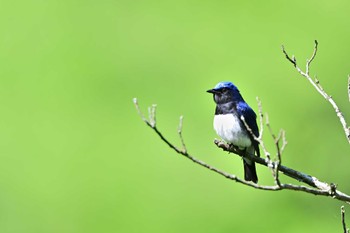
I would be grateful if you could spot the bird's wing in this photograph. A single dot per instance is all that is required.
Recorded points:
(249, 115)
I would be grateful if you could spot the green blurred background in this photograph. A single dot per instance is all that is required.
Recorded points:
(75, 156)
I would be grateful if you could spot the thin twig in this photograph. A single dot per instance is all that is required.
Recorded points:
(261, 117)
(308, 62)
(349, 87)
(258, 139)
(278, 151)
(270, 164)
(139, 111)
(316, 84)
(274, 166)
(179, 130)
(292, 60)
(342, 211)
(284, 141)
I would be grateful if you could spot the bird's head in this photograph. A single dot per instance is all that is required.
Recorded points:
(225, 92)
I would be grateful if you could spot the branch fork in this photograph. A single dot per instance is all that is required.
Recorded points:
(316, 84)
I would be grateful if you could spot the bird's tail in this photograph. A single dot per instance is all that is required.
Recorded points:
(250, 171)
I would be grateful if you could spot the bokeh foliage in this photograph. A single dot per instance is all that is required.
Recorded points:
(75, 157)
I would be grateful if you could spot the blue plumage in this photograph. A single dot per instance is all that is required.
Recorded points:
(230, 107)
(249, 115)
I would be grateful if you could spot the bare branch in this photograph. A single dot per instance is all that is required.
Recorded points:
(139, 111)
(152, 114)
(342, 211)
(187, 155)
(292, 60)
(349, 87)
(278, 151)
(284, 141)
(308, 62)
(258, 139)
(179, 130)
(261, 116)
(274, 166)
(317, 187)
(316, 84)
(153, 126)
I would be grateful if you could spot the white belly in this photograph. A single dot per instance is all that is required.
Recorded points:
(229, 129)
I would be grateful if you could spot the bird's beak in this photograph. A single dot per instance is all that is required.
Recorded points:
(213, 91)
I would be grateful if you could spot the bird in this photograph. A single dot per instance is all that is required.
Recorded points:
(229, 125)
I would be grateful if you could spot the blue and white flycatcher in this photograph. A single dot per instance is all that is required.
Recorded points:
(228, 124)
